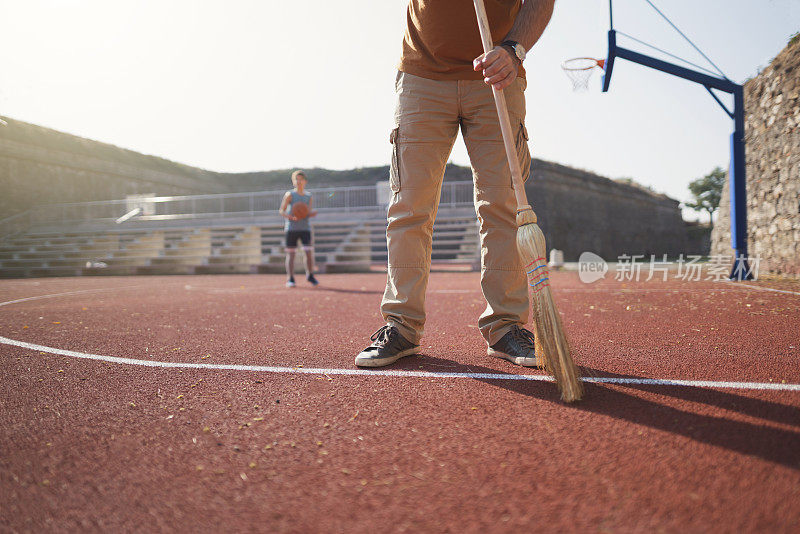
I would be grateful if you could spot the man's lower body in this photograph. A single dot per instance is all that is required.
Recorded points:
(427, 120)
(304, 237)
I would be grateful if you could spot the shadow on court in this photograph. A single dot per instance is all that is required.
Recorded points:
(775, 445)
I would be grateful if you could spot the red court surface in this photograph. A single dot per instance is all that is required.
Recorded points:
(291, 443)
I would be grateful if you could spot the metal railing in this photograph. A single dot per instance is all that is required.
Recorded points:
(16, 223)
(255, 204)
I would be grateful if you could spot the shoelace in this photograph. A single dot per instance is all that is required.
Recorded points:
(383, 336)
(525, 337)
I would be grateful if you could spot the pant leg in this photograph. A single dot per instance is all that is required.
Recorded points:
(426, 121)
(503, 279)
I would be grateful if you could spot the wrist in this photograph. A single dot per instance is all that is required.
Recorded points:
(516, 49)
(510, 51)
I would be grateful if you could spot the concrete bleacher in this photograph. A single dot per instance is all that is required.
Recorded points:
(342, 242)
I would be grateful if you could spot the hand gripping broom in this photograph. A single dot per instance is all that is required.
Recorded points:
(551, 344)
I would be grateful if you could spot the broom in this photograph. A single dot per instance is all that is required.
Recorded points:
(552, 348)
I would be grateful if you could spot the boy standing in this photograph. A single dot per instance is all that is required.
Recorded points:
(298, 229)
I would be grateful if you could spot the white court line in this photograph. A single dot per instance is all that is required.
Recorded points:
(68, 293)
(367, 372)
(734, 286)
(188, 287)
(396, 373)
(742, 285)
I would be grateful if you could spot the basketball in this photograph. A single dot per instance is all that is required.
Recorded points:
(300, 210)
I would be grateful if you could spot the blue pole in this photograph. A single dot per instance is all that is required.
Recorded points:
(737, 185)
(738, 168)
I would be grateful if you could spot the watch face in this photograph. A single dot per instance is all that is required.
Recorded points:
(520, 50)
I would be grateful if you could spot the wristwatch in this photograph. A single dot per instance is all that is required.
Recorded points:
(519, 50)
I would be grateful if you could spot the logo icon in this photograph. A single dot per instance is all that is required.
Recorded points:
(591, 267)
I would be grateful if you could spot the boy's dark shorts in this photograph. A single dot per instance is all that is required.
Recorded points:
(292, 236)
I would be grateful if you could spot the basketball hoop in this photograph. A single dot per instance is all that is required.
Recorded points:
(579, 70)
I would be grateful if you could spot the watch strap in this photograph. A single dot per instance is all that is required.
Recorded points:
(513, 45)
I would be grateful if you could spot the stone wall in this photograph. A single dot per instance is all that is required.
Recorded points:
(772, 134)
(580, 211)
(43, 166)
(698, 238)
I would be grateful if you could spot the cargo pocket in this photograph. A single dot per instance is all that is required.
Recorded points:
(394, 169)
(523, 151)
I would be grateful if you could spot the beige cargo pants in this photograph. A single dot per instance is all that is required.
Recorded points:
(427, 118)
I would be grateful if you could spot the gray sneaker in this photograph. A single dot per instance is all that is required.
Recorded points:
(517, 346)
(388, 346)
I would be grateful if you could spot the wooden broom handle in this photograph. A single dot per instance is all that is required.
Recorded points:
(502, 113)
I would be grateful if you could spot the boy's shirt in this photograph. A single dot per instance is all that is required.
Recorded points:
(302, 224)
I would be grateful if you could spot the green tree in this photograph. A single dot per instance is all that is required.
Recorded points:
(707, 191)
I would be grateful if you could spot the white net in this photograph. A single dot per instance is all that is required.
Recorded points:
(579, 70)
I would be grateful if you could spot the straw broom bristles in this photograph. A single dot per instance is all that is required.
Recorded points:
(552, 347)
(551, 344)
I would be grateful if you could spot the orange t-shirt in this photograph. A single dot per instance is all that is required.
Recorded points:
(442, 37)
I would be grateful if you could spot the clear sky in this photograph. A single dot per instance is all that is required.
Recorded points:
(246, 85)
